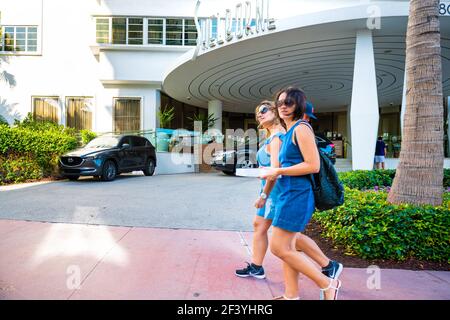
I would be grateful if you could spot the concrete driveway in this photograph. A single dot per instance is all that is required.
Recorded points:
(210, 201)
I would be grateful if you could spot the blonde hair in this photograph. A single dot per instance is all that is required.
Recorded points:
(276, 120)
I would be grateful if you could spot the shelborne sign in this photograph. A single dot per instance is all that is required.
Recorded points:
(245, 19)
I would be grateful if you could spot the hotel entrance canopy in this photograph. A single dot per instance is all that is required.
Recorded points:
(314, 51)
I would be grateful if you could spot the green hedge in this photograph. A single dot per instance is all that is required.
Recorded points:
(369, 227)
(30, 145)
(369, 179)
(19, 168)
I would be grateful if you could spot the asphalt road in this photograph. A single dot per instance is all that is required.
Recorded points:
(210, 201)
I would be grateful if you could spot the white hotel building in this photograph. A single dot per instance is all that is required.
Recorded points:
(110, 65)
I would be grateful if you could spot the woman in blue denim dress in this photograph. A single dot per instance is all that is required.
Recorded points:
(299, 158)
(269, 120)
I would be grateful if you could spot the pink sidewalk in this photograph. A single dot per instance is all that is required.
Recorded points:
(48, 260)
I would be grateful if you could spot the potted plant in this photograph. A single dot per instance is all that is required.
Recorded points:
(207, 121)
(165, 116)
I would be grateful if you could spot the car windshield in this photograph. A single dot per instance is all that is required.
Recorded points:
(103, 142)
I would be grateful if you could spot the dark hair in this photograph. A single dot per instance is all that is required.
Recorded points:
(379, 138)
(299, 98)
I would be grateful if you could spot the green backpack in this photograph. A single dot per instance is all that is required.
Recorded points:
(328, 189)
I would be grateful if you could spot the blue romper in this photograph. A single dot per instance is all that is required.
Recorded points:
(295, 205)
(268, 211)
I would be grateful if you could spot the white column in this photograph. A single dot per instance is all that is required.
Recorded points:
(152, 119)
(349, 134)
(215, 108)
(364, 114)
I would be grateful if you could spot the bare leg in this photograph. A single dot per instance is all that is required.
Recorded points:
(382, 165)
(311, 249)
(281, 246)
(260, 239)
(290, 279)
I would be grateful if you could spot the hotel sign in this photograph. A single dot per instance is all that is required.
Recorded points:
(246, 19)
(444, 8)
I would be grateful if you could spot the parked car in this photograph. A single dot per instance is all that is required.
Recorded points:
(326, 146)
(243, 156)
(108, 156)
(228, 161)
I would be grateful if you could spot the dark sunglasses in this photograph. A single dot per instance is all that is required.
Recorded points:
(263, 109)
(287, 102)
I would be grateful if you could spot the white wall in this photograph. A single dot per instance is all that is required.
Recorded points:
(165, 165)
(136, 65)
(66, 65)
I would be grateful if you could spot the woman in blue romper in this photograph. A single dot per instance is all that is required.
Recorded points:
(298, 158)
(268, 119)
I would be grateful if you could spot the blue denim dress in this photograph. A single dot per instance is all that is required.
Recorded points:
(295, 205)
(263, 158)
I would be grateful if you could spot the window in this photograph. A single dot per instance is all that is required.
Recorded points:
(46, 109)
(119, 30)
(174, 32)
(102, 30)
(127, 115)
(79, 113)
(135, 30)
(190, 33)
(155, 31)
(138, 142)
(160, 31)
(19, 39)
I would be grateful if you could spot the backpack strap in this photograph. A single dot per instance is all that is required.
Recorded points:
(311, 176)
(299, 123)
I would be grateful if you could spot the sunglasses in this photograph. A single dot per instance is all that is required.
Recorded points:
(287, 102)
(263, 109)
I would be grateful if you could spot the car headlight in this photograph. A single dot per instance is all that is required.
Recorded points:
(90, 158)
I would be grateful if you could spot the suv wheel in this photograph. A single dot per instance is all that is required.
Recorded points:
(109, 171)
(149, 169)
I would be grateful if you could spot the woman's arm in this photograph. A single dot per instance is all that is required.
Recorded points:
(274, 149)
(311, 160)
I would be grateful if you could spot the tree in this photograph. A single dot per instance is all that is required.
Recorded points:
(419, 175)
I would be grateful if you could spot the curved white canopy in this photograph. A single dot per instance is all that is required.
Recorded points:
(314, 51)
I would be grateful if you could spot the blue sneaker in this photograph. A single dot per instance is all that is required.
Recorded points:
(333, 271)
(251, 271)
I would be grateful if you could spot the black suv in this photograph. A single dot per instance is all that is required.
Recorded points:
(108, 156)
(326, 146)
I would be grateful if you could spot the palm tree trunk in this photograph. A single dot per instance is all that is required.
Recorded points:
(419, 176)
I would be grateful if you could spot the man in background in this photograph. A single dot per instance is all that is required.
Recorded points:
(380, 153)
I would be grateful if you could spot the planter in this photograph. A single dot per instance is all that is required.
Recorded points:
(162, 142)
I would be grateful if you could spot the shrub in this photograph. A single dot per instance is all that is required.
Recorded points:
(37, 145)
(367, 226)
(19, 168)
(446, 178)
(87, 136)
(369, 179)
